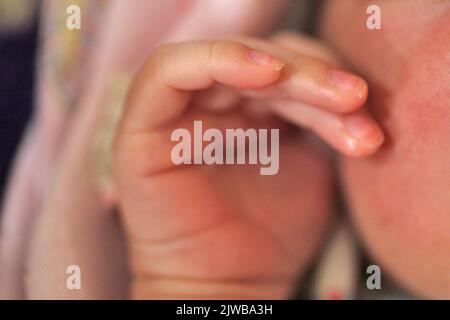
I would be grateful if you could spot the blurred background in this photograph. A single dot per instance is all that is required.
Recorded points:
(18, 47)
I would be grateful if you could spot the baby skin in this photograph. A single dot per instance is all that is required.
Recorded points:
(216, 231)
(399, 198)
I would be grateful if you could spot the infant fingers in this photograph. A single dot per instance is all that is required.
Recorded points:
(311, 80)
(163, 87)
(297, 96)
(355, 134)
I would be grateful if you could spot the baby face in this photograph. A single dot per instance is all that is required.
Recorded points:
(400, 198)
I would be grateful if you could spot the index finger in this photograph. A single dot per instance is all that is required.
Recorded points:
(163, 87)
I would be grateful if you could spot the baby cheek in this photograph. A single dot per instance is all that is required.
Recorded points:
(400, 198)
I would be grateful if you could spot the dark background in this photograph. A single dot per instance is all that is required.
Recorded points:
(17, 65)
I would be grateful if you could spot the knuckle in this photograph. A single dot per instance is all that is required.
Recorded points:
(219, 47)
(213, 47)
(162, 59)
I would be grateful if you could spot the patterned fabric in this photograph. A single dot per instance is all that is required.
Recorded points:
(65, 52)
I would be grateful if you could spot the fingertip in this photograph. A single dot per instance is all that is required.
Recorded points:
(364, 135)
(315, 82)
(352, 90)
(348, 82)
(265, 60)
(356, 150)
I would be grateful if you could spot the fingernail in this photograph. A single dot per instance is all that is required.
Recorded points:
(348, 82)
(265, 60)
(365, 131)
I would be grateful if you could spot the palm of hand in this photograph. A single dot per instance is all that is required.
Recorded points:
(225, 223)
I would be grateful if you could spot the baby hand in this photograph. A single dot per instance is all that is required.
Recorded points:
(225, 231)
